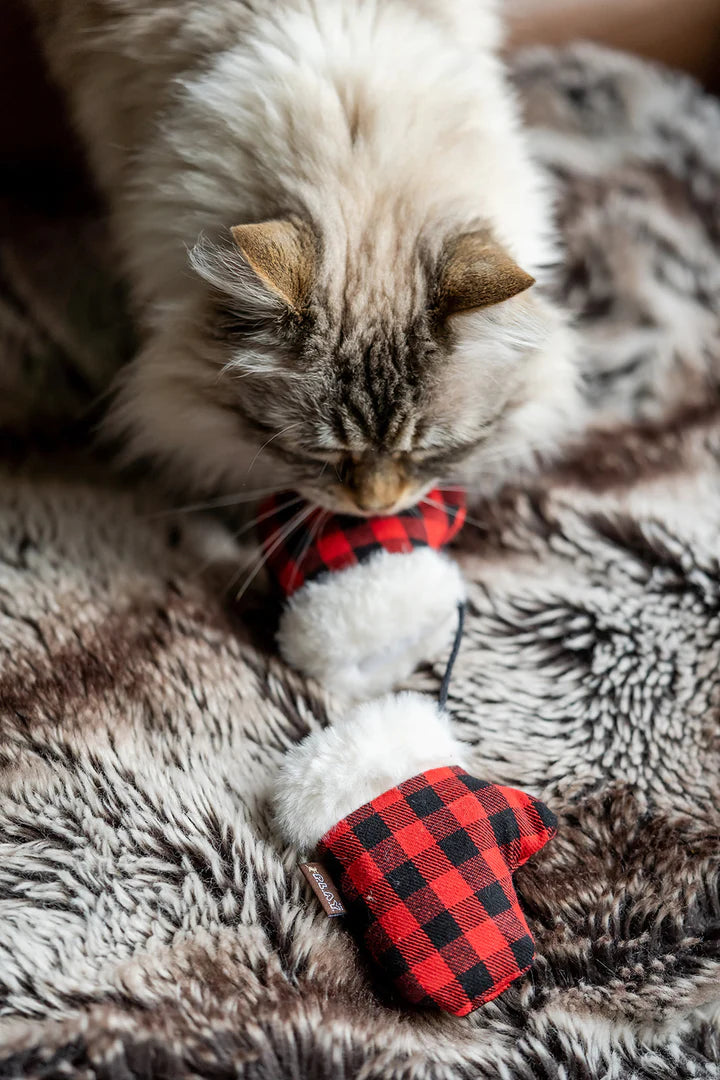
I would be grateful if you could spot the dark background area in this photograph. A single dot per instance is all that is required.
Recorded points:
(41, 163)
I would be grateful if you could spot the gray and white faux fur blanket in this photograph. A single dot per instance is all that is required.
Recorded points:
(150, 926)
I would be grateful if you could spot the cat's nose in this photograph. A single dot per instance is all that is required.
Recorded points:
(373, 505)
(376, 488)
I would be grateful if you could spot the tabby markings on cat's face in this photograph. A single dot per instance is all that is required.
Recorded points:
(361, 430)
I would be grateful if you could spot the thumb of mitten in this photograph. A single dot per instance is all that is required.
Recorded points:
(522, 827)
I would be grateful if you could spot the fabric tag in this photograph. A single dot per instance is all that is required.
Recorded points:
(323, 887)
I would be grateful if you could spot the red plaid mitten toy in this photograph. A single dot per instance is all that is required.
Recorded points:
(423, 864)
(367, 598)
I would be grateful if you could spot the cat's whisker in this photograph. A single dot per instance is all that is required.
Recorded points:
(239, 499)
(267, 442)
(312, 533)
(266, 514)
(207, 563)
(240, 369)
(449, 510)
(295, 521)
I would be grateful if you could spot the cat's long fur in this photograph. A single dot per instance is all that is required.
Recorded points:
(386, 129)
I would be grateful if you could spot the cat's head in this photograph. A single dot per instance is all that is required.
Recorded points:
(364, 377)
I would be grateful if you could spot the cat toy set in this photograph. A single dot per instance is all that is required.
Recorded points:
(415, 852)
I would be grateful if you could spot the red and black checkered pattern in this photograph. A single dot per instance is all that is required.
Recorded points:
(322, 542)
(426, 871)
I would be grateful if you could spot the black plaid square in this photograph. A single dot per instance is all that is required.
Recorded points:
(371, 831)
(493, 899)
(505, 826)
(458, 847)
(424, 802)
(442, 929)
(406, 879)
(476, 981)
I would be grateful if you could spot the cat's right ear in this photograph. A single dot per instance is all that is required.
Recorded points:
(268, 271)
(476, 272)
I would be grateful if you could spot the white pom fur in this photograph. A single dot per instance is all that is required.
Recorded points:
(336, 770)
(363, 630)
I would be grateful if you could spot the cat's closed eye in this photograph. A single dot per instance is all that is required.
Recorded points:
(316, 456)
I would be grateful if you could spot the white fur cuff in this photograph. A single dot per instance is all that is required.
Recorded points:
(363, 630)
(338, 769)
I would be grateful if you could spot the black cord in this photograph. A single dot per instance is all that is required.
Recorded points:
(445, 684)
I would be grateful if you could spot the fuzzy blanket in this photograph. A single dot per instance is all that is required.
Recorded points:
(150, 926)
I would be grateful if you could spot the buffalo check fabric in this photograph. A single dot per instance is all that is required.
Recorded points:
(298, 548)
(425, 871)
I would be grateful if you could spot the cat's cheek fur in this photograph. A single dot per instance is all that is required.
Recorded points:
(526, 350)
(167, 409)
(363, 630)
(550, 408)
(547, 408)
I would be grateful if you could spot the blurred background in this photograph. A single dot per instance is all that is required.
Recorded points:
(681, 33)
(39, 157)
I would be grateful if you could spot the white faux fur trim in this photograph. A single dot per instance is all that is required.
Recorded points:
(336, 770)
(363, 630)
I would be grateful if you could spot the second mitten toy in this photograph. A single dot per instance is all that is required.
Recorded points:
(422, 853)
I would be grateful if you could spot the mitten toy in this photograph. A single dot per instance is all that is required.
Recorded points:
(367, 598)
(421, 853)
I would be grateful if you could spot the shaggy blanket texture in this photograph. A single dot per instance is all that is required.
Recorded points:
(150, 924)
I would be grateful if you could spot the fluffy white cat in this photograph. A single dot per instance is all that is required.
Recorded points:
(331, 226)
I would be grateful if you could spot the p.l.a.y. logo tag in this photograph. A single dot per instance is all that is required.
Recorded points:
(322, 886)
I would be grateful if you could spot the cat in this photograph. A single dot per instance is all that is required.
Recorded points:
(335, 237)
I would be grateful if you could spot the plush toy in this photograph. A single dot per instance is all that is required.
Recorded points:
(367, 598)
(421, 853)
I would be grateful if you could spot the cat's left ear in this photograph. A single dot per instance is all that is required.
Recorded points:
(475, 272)
(266, 273)
(282, 255)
